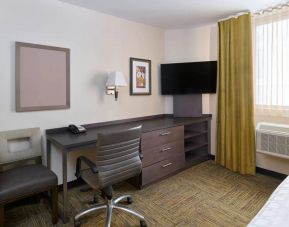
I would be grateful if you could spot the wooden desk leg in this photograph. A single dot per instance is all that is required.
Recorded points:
(48, 154)
(64, 193)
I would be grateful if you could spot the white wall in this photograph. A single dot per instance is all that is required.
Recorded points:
(99, 44)
(196, 44)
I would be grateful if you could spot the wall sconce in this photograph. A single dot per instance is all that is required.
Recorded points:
(115, 80)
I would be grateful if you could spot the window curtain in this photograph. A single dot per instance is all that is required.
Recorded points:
(235, 125)
(272, 63)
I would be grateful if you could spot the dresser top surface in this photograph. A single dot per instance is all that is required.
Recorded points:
(64, 139)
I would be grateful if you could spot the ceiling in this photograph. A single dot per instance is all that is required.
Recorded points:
(170, 14)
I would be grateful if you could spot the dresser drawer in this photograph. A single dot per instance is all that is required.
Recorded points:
(162, 168)
(159, 153)
(160, 137)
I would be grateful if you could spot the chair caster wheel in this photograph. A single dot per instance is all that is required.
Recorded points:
(129, 200)
(143, 223)
(77, 223)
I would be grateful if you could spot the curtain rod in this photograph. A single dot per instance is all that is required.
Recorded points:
(259, 12)
(271, 9)
(234, 16)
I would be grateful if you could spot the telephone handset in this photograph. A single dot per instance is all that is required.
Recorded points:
(76, 129)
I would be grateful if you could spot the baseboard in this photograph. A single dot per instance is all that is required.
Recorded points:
(271, 173)
(263, 171)
(71, 184)
(266, 172)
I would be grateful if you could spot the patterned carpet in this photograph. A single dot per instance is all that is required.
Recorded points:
(204, 195)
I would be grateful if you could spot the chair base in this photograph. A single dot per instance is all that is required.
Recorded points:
(109, 205)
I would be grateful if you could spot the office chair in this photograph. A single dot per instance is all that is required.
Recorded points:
(21, 171)
(117, 159)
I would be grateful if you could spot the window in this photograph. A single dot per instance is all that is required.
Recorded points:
(272, 64)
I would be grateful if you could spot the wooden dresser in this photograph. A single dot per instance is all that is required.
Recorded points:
(163, 153)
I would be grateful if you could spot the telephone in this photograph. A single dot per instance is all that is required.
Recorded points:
(76, 129)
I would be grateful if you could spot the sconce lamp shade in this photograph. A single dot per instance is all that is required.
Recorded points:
(116, 79)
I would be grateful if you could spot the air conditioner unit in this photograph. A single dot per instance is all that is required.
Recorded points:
(273, 139)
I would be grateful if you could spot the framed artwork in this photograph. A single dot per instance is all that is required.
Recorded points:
(42, 77)
(140, 76)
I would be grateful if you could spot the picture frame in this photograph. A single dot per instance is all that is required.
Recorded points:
(42, 77)
(140, 76)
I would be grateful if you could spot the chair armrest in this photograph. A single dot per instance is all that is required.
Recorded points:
(90, 164)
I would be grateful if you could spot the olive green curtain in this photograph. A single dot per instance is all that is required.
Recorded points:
(235, 125)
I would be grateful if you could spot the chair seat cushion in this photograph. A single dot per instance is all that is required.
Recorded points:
(25, 180)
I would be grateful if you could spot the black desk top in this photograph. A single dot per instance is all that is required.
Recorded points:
(66, 140)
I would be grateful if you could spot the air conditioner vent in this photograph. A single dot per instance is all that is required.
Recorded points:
(273, 139)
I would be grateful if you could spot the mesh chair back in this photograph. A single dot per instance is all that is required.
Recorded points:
(117, 156)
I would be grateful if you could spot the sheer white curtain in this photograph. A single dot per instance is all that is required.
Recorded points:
(272, 63)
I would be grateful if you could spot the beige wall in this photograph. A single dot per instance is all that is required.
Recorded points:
(99, 44)
(195, 44)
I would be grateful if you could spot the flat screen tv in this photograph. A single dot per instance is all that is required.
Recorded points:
(189, 78)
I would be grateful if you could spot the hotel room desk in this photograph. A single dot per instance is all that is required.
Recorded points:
(68, 142)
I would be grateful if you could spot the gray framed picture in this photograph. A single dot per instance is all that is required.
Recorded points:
(140, 76)
(42, 77)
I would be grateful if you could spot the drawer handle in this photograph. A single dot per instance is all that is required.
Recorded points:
(166, 165)
(165, 133)
(166, 149)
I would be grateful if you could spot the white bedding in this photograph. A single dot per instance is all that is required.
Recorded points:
(275, 212)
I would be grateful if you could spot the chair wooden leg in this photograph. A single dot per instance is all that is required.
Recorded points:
(1, 215)
(54, 207)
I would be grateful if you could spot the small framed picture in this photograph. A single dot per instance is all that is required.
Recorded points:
(140, 76)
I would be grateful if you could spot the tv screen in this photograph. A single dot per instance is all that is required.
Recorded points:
(189, 78)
